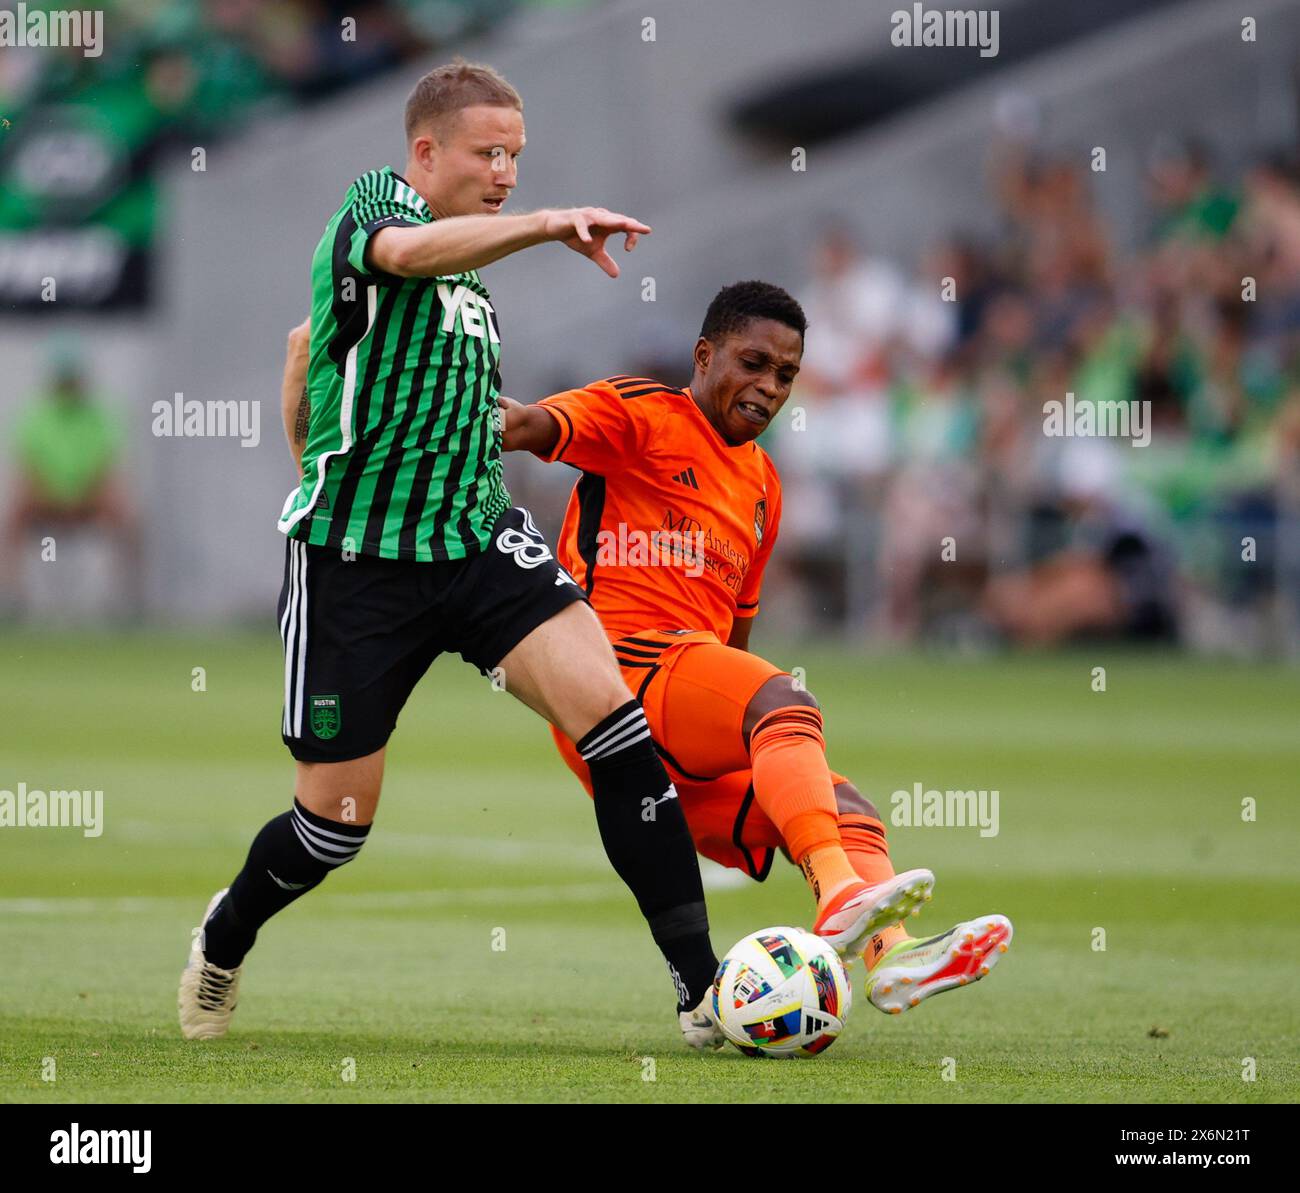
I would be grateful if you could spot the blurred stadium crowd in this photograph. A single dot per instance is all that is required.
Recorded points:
(922, 419)
(84, 136)
(925, 502)
(204, 67)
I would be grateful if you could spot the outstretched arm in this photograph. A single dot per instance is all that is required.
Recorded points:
(526, 428)
(295, 408)
(465, 242)
(591, 428)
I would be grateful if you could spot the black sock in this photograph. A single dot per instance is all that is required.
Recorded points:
(647, 840)
(292, 854)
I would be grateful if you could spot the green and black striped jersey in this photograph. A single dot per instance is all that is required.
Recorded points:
(403, 452)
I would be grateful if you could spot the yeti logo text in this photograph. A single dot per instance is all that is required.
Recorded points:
(76, 1146)
(946, 27)
(474, 310)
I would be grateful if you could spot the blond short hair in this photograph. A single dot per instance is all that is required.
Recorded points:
(448, 89)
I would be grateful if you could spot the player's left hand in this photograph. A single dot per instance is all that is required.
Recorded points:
(585, 230)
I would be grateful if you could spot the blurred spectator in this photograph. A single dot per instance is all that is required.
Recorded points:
(1107, 574)
(1187, 203)
(68, 456)
(835, 439)
(934, 494)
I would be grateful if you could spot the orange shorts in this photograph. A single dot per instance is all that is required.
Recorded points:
(695, 691)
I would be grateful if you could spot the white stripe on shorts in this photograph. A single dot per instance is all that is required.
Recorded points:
(286, 619)
(293, 630)
(302, 641)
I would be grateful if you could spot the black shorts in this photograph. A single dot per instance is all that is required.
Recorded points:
(359, 633)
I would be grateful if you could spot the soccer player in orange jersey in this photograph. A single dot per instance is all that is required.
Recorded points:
(669, 530)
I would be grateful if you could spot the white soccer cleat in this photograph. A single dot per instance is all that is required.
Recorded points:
(208, 994)
(858, 913)
(698, 1027)
(915, 969)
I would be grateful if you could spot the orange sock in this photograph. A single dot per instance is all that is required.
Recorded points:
(792, 784)
(868, 849)
(882, 942)
(866, 846)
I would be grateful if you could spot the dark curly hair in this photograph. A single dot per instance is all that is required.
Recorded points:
(735, 305)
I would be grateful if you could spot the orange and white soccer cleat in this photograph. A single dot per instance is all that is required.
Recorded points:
(859, 911)
(915, 969)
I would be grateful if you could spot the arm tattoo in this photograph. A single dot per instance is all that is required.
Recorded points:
(304, 417)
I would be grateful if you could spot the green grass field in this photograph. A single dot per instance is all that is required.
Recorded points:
(1118, 810)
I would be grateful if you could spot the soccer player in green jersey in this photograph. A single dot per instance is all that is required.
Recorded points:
(403, 543)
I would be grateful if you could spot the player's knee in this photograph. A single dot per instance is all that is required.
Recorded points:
(346, 792)
(588, 686)
(850, 801)
(613, 692)
(606, 696)
(779, 692)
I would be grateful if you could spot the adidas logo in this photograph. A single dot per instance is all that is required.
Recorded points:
(287, 886)
(687, 477)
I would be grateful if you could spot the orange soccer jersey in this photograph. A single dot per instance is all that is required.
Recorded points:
(669, 527)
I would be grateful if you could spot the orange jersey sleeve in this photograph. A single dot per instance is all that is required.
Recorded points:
(602, 429)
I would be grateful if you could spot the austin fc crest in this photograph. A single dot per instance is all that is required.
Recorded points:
(326, 718)
(760, 518)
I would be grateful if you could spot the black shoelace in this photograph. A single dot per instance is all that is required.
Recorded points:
(213, 988)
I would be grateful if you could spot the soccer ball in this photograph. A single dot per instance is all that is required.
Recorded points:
(782, 992)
